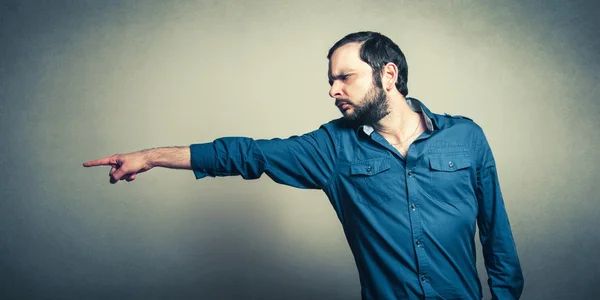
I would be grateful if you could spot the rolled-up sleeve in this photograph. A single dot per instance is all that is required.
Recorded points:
(505, 277)
(305, 161)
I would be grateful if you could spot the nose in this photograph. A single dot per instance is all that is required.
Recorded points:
(335, 91)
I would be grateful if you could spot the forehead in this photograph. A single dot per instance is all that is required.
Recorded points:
(347, 57)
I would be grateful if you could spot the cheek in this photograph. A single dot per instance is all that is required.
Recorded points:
(360, 94)
(356, 91)
(364, 84)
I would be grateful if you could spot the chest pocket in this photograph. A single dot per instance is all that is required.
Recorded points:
(372, 180)
(449, 162)
(370, 167)
(449, 172)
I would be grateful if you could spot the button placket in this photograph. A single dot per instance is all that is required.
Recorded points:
(416, 226)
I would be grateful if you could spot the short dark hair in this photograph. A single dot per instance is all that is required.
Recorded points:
(377, 50)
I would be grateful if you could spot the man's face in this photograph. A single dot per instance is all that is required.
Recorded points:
(358, 96)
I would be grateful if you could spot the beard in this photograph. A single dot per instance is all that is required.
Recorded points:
(372, 109)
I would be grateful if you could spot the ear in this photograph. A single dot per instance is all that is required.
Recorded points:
(389, 76)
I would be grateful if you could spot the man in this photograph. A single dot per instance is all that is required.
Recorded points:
(408, 185)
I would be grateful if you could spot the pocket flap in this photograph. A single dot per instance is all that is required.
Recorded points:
(449, 162)
(370, 167)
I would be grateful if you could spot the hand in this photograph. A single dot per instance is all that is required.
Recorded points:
(123, 166)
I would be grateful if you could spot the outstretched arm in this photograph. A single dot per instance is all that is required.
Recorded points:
(127, 166)
(305, 161)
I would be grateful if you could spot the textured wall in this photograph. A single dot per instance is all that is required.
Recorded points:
(85, 79)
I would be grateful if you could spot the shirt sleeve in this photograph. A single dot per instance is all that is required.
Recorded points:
(505, 277)
(305, 161)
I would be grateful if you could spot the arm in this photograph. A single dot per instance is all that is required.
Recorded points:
(505, 277)
(302, 161)
(127, 166)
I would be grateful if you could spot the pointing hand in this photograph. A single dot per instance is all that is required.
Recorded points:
(123, 166)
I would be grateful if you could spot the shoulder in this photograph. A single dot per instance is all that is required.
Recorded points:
(458, 117)
(453, 120)
(339, 125)
(460, 123)
(332, 130)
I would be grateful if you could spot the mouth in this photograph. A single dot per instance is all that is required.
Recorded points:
(342, 105)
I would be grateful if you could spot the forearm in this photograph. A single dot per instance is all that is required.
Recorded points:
(503, 266)
(499, 250)
(169, 157)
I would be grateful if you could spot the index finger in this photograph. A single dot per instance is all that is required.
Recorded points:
(106, 161)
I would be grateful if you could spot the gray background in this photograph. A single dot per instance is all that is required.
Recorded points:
(81, 80)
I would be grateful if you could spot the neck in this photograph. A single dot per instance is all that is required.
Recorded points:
(401, 122)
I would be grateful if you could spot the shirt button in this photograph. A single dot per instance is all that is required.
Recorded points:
(451, 164)
(419, 243)
(369, 169)
(410, 173)
(424, 278)
(413, 206)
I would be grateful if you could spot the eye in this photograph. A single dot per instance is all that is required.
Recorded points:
(342, 77)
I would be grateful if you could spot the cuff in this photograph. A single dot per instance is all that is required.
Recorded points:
(202, 159)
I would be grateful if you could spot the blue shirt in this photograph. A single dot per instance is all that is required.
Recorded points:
(409, 221)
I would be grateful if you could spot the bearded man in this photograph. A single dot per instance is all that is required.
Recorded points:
(409, 186)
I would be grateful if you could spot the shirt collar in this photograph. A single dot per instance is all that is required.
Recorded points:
(416, 106)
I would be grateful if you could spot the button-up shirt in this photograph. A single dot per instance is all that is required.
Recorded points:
(410, 221)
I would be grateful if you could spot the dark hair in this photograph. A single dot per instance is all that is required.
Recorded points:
(377, 50)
